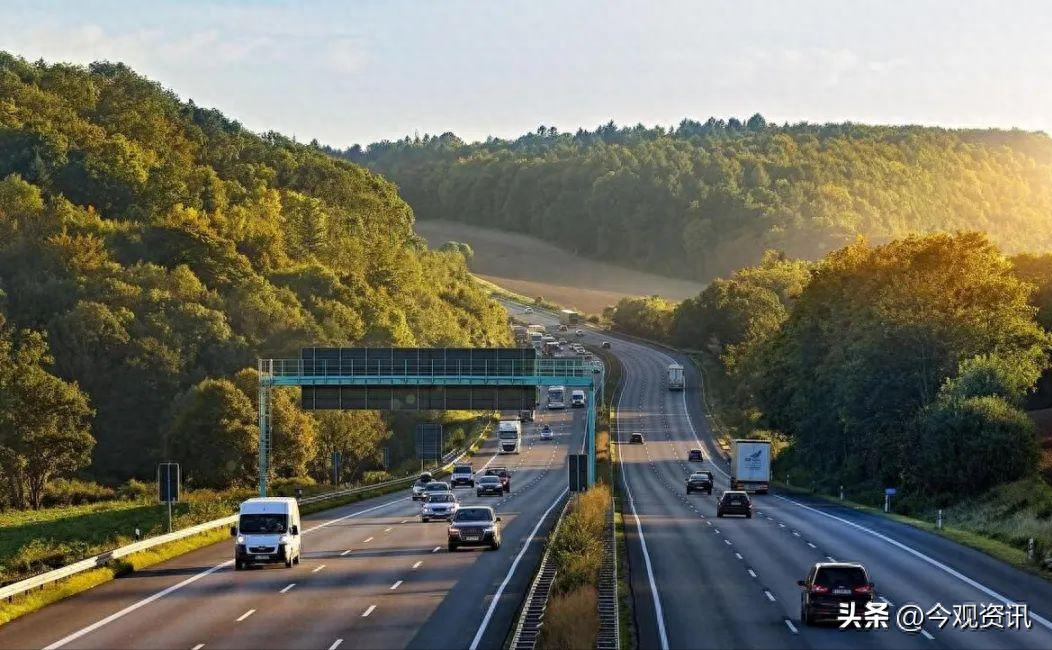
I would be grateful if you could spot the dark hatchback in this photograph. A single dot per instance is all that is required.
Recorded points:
(734, 502)
(636, 439)
(700, 482)
(489, 485)
(503, 474)
(695, 456)
(828, 585)
(474, 526)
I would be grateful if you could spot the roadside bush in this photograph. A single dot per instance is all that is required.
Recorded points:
(578, 547)
(136, 490)
(286, 487)
(372, 477)
(74, 492)
(571, 620)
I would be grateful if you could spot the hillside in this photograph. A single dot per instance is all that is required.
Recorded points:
(155, 243)
(534, 267)
(702, 199)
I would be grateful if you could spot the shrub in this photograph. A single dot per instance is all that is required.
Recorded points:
(74, 492)
(571, 621)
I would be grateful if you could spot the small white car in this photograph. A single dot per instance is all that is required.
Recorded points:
(579, 332)
(439, 506)
(546, 432)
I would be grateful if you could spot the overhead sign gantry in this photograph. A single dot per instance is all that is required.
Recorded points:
(494, 379)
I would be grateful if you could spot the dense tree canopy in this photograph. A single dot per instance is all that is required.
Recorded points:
(702, 199)
(158, 245)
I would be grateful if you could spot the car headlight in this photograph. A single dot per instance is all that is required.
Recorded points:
(284, 539)
(489, 529)
(454, 532)
(240, 539)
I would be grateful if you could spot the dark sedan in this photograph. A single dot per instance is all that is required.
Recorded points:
(700, 482)
(503, 474)
(830, 584)
(474, 526)
(489, 485)
(734, 503)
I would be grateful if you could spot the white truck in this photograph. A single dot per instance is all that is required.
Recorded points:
(751, 465)
(569, 317)
(675, 377)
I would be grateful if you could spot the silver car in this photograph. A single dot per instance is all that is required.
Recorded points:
(420, 485)
(439, 506)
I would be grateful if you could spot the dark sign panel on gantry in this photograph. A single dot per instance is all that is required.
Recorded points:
(415, 371)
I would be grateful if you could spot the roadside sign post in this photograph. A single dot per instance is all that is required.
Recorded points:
(337, 462)
(428, 443)
(888, 493)
(938, 520)
(1030, 549)
(168, 486)
(841, 492)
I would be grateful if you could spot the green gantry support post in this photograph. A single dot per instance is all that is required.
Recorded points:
(590, 437)
(264, 429)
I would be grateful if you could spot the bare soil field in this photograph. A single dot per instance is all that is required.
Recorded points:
(535, 267)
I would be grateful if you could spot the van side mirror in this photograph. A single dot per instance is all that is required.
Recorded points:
(295, 530)
(233, 531)
(800, 583)
(497, 519)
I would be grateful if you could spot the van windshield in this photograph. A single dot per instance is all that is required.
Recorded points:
(256, 524)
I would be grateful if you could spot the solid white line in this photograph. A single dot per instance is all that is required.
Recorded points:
(368, 611)
(930, 560)
(511, 571)
(335, 644)
(245, 615)
(396, 585)
(134, 606)
(927, 635)
(288, 588)
(417, 565)
(752, 573)
(792, 628)
(367, 540)
(318, 568)
(769, 595)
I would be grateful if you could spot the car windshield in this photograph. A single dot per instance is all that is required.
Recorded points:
(736, 499)
(255, 524)
(473, 514)
(441, 498)
(437, 487)
(699, 477)
(850, 576)
(424, 480)
(489, 479)
(462, 469)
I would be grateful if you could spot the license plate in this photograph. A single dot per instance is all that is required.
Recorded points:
(471, 538)
(263, 555)
(841, 591)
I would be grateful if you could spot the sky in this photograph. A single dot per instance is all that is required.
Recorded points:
(358, 71)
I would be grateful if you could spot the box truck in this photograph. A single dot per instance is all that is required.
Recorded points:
(675, 377)
(751, 465)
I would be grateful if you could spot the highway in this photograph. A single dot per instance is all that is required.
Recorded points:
(372, 576)
(703, 582)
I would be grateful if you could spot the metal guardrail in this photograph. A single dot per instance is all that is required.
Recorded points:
(102, 559)
(609, 637)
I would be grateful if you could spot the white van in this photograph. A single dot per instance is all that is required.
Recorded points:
(267, 531)
(577, 399)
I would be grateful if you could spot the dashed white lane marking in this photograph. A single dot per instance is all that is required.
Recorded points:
(198, 646)
(727, 542)
(717, 531)
(830, 558)
(811, 545)
(781, 525)
(387, 530)
(245, 615)
(888, 602)
(769, 595)
(396, 585)
(368, 611)
(927, 635)
(796, 534)
(318, 568)
(792, 628)
(752, 573)
(417, 565)
(288, 588)
(738, 555)
(335, 644)
(347, 552)
(367, 540)
(405, 521)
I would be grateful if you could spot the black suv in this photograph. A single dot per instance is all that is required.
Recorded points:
(700, 482)
(734, 502)
(636, 439)
(828, 585)
(474, 526)
(695, 456)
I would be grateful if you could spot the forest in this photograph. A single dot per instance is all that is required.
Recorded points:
(701, 199)
(905, 364)
(151, 250)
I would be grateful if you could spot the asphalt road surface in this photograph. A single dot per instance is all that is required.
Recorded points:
(372, 576)
(703, 582)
